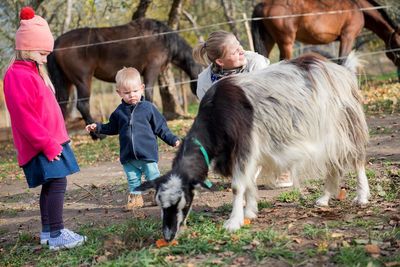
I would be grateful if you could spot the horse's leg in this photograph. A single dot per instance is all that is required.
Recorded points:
(286, 48)
(150, 76)
(63, 99)
(346, 44)
(83, 103)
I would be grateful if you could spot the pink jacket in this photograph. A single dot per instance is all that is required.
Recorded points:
(36, 118)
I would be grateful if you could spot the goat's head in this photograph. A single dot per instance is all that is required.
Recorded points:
(174, 194)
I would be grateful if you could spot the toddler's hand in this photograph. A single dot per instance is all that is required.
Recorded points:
(91, 127)
(177, 143)
(57, 157)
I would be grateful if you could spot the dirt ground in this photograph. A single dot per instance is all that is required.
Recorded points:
(97, 194)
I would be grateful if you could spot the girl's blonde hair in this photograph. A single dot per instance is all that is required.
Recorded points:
(26, 55)
(127, 78)
(215, 47)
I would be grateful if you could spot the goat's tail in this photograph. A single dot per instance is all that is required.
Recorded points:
(353, 62)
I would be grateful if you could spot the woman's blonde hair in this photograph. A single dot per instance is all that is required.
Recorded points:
(26, 55)
(215, 47)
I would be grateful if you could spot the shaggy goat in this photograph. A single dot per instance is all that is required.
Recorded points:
(302, 115)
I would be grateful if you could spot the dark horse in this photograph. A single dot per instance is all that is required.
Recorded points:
(144, 44)
(308, 21)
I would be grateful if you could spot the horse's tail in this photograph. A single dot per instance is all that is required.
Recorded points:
(59, 81)
(257, 30)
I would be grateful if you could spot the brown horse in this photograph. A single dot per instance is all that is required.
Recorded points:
(319, 22)
(145, 44)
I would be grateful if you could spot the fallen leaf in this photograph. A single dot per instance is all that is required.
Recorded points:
(298, 240)
(392, 264)
(337, 235)
(322, 246)
(170, 257)
(372, 249)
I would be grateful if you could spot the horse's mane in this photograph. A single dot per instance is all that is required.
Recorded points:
(383, 14)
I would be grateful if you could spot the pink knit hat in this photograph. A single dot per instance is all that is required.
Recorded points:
(33, 33)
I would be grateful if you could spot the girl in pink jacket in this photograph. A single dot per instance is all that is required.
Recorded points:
(40, 137)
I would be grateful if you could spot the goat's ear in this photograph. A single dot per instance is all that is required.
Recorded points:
(146, 186)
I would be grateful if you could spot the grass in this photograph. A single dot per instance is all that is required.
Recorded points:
(203, 243)
(312, 232)
(290, 196)
(206, 243)
(353, 256)
(133, 242)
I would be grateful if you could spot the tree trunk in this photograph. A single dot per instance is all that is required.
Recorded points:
(67, 20)
(168, 90)
(141, 9)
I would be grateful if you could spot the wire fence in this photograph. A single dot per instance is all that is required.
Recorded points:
(5, 122)
(222, 24)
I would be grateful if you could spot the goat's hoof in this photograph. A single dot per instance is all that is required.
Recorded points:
(322, 202)
(250, 214)
(362, 201)
(233, 225)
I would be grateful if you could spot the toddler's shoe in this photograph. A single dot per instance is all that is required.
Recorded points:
(285, 180)
(67, 239)
(134, 201)
(44, 238)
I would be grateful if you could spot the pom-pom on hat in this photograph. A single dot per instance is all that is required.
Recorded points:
(33, 33)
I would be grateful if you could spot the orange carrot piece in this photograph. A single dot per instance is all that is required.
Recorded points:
(342, 194)
(162, 243)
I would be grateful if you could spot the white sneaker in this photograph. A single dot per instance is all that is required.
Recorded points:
(75, 235)
(44, 238)
(67, 239)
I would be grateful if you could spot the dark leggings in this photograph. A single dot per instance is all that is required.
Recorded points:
(52, 202)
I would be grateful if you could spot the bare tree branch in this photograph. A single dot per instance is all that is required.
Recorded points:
(192, 20)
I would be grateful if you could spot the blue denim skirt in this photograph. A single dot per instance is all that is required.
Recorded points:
(39, 169)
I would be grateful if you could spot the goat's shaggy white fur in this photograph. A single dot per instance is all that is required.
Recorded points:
(314, 127)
